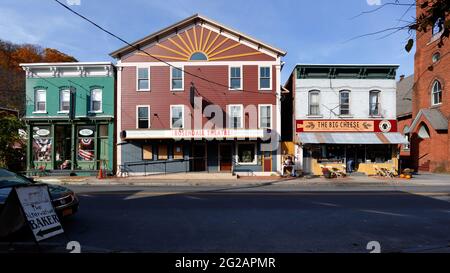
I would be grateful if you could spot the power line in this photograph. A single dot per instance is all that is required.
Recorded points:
(148, 54)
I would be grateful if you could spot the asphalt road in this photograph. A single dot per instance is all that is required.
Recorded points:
(260, 219)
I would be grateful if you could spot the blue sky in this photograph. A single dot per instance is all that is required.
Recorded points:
(310, 31)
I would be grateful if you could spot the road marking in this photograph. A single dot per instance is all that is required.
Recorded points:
(147, 194)
(384, 213)
(326, 204)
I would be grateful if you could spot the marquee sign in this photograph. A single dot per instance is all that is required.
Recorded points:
(348, 125)
(193, 134)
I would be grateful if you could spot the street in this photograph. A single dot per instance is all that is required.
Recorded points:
(267, 218)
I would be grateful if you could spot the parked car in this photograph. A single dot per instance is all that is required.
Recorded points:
(64, 200)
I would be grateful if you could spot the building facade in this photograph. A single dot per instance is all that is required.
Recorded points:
(198, 96)
(345, 117)
(70, 117)
(430, 140)
(404, 117)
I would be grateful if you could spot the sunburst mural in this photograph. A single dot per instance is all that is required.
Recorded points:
(204, 46)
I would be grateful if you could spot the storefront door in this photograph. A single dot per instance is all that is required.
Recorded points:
(199, 160)
(225, 157)
(267, 161)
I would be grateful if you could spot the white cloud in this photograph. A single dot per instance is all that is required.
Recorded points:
(73, 2)
(373, 2)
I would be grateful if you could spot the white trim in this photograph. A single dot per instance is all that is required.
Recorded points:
(229, 116)
(118, 121)
(278, 115)
(255, 158)
(259, 78)
(60, 100)
(241, 78)
(148, 79)
(148, 116)
(259, 116)
(309, 102)
(101, 102)
(219, 134)
(182, 79)
(198, 63)
(182, 115)
(40, 112)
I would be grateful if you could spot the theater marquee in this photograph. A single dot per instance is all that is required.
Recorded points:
(346, 126)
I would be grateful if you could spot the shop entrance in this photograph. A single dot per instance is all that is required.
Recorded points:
(63, 153)
(199, 157)
(225, 157)
(267, 161)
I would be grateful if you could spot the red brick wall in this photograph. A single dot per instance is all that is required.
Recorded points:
(161, 97)
(436, 150)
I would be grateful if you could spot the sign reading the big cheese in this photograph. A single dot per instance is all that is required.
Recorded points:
(346, 126)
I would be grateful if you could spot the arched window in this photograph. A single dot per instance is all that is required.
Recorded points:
(436, 93)
(344, 102)
(406, 135)
(198, 56)
(314, 102)
(423, 131)
(438, 25)
(374, 103)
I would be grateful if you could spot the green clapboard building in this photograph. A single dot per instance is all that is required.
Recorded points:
(70, 117)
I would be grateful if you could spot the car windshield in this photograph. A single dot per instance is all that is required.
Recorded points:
(10, 179)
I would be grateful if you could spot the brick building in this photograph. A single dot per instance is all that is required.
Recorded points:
(198, 96)
(430, 140)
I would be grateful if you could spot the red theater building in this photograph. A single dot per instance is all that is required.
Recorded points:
(199, 96)
(430, 141)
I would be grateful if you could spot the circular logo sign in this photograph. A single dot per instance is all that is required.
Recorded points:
(385, 126)
(86, 132)
(42, 132)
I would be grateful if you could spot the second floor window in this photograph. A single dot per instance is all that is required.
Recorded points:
(40, 100)
(176, 79)
(236, 78)
(143, 81)
(438, 25)
(143, 113)
(374, 103)
(314, 102)
(96, 100)
(176, 116)
(64, 100)
(265, 116)
(436, 93)
(235, 116)
(344, 103)
(264, 78)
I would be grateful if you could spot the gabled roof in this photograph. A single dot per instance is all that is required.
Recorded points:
(185, 23)
(435, 117)
(404, 96)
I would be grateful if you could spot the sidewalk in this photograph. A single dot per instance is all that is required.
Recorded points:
(225, 179)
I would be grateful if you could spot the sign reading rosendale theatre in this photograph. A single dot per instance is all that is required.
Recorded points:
(346, 126)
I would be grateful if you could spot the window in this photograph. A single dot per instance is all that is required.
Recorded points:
(235, 78)
(162, 152)
(177, 151)
(96, 100)
(198, 56)
(436, 57)
(147, 152)
(406, 147)
(438, 25)
(374, 103)
(176, 76)
(143, 79)
(64, 100)
(246, 153)
(436, 93)
(344, 103)
(265, 116)
(265, 82)
(40, 99)
(143, 117)
(235, 116)
(42, 143)
(177, 116)
(86, 144)
(314, 102)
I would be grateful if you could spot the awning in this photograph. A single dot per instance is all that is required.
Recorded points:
(351, 138)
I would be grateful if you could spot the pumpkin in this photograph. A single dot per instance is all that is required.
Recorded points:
(402, 176)
(408, 176)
